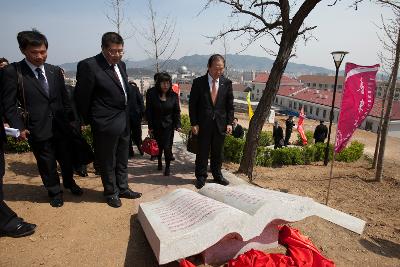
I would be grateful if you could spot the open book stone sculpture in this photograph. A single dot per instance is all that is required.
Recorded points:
(222, 222)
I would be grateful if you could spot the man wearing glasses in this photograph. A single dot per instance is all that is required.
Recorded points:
(101, 96)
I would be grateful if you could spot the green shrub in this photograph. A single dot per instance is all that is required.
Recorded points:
(309, 136)
(320, 151)
(265, 139)
(263, 157)
(296, 154)
(309, 152)
(281, 157)
(186, 127)
(233, 149)
(351, 153)
(15, 146)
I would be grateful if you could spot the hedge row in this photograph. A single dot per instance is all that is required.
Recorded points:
(233, 151)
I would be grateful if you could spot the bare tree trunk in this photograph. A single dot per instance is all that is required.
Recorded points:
(385, 125)
(264, 107)
(378, 135)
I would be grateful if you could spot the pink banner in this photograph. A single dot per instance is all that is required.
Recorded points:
(300, 127)
(357, 101)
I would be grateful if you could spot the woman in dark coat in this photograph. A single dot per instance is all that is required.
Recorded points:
(164, 116)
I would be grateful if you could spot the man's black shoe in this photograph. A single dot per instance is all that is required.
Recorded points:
(22, 229)
(130, 194)
(57, 201)
(200, 182)
(172, 158)
(75, 189)
(221, 181)
(114, 202)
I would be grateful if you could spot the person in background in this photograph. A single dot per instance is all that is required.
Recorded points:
(101, 96)
(10, 224)
(321, 132)
(136, 111)
(45, 98)
(277, 134)
(3, 62)
(211, 114)
(289, 129)
(164, 116)
(80, 170)
(237, 129)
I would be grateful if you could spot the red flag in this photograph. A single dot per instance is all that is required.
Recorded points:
(357, 101)
(176, 89)
(300, 127)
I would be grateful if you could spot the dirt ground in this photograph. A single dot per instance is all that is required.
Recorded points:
(86, 232)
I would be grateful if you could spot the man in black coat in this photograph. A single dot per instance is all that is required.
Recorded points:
(277, 134)
(46, 100)
(101, 97)
(289, 129)
(321, 132)
(10, 224)
(136, 111)
(237, 129)
(211, 115)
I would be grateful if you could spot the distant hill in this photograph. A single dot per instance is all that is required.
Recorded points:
(197, 63)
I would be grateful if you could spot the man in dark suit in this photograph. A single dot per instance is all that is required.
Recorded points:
(45, 99)
(237, 129)
(10, 224)
(321, 132)
(102, 96)
(211, 115)
(277, 134)
(289, 129)
(136, 111)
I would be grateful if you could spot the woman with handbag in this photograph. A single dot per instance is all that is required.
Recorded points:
(164, 116)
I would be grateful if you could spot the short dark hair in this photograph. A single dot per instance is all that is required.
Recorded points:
(163, 77)
(3, 59)
(215, 57)
(155, 76)
(111, 38)
(31, 38)
(235, 118)
(321, 121)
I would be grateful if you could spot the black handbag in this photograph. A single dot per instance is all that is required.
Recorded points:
(21, 105)
(82, 153)
(192, 143)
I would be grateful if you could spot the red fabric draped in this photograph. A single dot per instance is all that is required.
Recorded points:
(301, 252)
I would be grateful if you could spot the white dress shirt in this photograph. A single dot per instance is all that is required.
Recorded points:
(121, 80)
(210, 82)
(33, 68)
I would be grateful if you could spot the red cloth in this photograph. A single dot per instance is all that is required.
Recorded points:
(301, 252)
(185, 263)
(255, 258)
(301, 249)
(300, 127)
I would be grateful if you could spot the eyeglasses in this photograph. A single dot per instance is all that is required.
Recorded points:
(115, 52)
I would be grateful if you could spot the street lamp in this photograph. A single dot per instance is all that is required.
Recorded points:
(338, 57)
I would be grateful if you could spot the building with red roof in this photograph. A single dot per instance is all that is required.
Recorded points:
(291, 97)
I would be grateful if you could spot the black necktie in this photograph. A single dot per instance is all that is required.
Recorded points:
(42, 80)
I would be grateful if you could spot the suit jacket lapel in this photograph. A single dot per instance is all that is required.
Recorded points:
(107, 69)
(221, 87)
(28, 74)
(50, 75)
(208, 89)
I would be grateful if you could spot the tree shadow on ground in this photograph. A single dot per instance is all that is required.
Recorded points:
(22, 168)
(38, 194)
(382, 247)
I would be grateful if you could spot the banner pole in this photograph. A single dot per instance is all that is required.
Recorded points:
(330, 177)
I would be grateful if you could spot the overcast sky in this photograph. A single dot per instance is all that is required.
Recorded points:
(74, 29)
